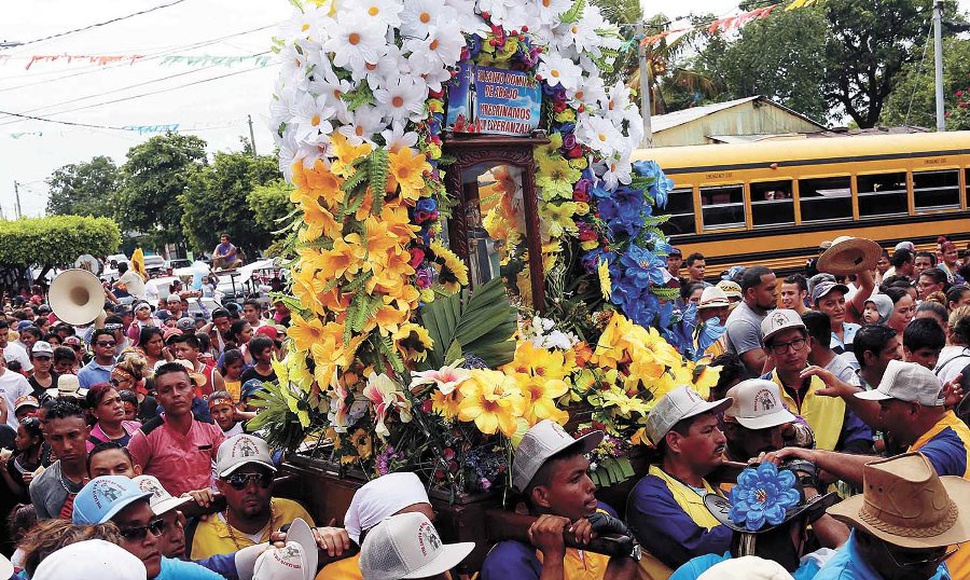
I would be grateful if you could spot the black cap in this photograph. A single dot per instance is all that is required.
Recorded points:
(675, 252)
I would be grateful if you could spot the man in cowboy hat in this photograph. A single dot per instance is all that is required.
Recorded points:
(665, 508)
(712, 312)
(911, 410)
(905, 523)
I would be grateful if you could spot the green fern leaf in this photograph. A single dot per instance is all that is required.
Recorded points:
(574, 13)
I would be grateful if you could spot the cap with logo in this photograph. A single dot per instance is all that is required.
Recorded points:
(757, 405)
(241, 450)
(545, 439)
(103, 497)
(679, 404)
(42, 347)
(89, 559)
(713, 297)
(823, 288)
(779, 320)
(185, 324)
(25, 401)
(731, 289)
(161, 501)
(910, 382)
(296, 560)
(408, 546)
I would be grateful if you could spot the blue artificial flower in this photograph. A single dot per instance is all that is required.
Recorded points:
(661, 185)
(763, 496)
(427, 204)
(642, 267)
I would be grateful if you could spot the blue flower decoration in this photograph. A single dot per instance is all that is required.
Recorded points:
(763, 496)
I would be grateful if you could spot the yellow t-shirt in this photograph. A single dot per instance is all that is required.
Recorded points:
(234, 388)
(347, 569)
(213, 536)
(824, 415)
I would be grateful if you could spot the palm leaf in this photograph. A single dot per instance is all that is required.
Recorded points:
(482, 323)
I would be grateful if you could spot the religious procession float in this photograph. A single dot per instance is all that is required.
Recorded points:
(473, 250)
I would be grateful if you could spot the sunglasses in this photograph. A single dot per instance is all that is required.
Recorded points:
(137, 534)
(107, 343)
(240, 481)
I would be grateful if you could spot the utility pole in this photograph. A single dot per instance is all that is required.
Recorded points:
(938, 46)
(252, 135)
(644, 90)
(16, 191)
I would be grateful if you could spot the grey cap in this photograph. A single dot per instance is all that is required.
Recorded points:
(679, 404)
(778, 320)
(545, 439)
(906, 381)
(823, 288)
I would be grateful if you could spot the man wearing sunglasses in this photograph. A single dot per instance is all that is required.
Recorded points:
(245, 469)
(785, 340)
(99, 369)
(117, 499)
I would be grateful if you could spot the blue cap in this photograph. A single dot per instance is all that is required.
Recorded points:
(250, 387)
(24, 324)
(103, 497)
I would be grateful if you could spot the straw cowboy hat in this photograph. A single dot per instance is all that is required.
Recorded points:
(848, 255)
(905, 503)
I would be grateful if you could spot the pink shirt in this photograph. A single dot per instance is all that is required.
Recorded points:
(180, 462)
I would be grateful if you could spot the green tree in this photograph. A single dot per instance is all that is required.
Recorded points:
(216, 200)
(868, 45)
(156, 174)
(86, 188)
(55, 241)
(778, 57)
(271, 206)
(914, 100)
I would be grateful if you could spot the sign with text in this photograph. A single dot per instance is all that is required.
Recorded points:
(493, 101)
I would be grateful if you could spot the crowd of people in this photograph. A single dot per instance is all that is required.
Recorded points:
(833, 446)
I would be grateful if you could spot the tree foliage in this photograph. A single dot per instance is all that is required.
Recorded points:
(270, 204)
(56, 240)
(86, 188)
(156, 174)
(914, 100)
(216, 200)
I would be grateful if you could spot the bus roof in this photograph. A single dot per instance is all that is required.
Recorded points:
(782, 150)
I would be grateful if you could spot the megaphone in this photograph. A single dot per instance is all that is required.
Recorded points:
(89, 263)
(77, 297)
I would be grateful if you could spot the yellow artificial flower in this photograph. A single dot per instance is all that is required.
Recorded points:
(304, 332)
(706, 380)
(407, 171)
(550, 149)
(363, 443)
(556, 178)
(540, 399)
(306, 287)
(345, 258)
(388, 319)
(534, 361)
(492, 400)
(624, 404)
(453, 273)
(319, 222)
(558, 219)
(318, 184)
(445, 405)
(413, 341)
(606, 284)
(346, 154)
(395, 218)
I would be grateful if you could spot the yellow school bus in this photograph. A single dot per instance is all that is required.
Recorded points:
(773, 202)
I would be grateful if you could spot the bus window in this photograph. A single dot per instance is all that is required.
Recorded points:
(772, 203)
(680, 208)
(827, 198)
(934, 190)
(882, 194)
(722, 207)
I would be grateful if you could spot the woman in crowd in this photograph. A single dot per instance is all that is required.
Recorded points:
(904, 308)
(131, 374)
(152, 345)
(42, 357)
(240, 333)
(957, 296)
(948, 259)
(106, 406)
(18, 471)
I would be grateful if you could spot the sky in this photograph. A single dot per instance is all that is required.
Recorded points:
(151, 70)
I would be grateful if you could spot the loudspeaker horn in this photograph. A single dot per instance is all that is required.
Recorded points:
(77, 297)
(89, 263)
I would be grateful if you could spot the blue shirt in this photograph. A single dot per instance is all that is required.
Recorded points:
(173, 569)
(807, 568)
(847, 564)
(93, 373)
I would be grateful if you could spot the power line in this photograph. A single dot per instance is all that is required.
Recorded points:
(170, 89)
(105, 23)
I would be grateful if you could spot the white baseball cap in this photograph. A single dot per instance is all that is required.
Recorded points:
(242, 450)
(543, 440)
(778, 320)
(908, 382)
(677, 405)
(905, 245)
(408, 546)
(90, 559)
(713, 297)
(296, 560)
(161, 501)
(42, 347)
(757, 405)
(746, 568)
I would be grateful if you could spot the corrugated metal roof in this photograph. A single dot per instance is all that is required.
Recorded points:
(662, 122)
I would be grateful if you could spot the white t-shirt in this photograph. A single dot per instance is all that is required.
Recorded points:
(13, 385)
(134, 284)
(14, 351)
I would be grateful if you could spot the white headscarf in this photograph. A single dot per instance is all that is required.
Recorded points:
(381, 498)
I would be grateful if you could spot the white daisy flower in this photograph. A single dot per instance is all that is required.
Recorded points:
(311, 117)
(387, 12)
(429, 69)
(498, 10)
(548, 11)
(468, 18)
(390, 65)
(617, 100)
(355, 40)
(396, 138)
(443, 45)
(556, 70)
(589, 93)
(420, 15)
(598, 133)
(308, 24)
(614, 171)
(403, 98)
(365, 122)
